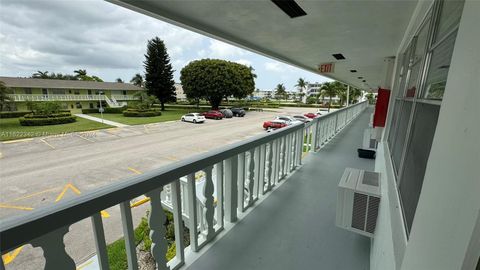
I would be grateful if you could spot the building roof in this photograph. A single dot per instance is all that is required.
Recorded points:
(66, 84)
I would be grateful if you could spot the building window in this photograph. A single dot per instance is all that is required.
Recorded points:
(420, 87)
(58, 91)
(89, 92)
(76, 92)
(28, 91)
(91, 105)
(78, 105)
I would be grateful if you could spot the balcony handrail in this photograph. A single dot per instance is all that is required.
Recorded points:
(16, 231)
(285, 147)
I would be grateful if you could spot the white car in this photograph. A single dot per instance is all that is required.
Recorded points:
(302, 118)
(288, 119)
(193, 117)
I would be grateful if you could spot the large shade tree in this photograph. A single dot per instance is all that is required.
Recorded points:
(4, 98)
(215, 80)
(159, 72)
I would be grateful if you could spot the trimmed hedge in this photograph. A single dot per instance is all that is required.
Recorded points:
(14, 114)
(106, 110)
(138, 113)
(47, 120)
(53, 115)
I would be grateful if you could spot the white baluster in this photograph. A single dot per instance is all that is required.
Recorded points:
(100, 244)
(157, 229)
(54, 250)
(282, 158)
(129, 235)
(231, 194)
(208, 194)
(251, 176)
(270, 166)
(192, 211)
(241, 182)
(178, 222)
(261, 176)
(276, 162)
(219, 191)
(256, 186)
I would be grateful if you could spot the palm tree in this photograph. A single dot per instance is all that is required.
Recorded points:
(40, 74)
(252, 70)
(137, 80)
(301, 83)
(80, 72)
(280, 91)
(4, 98)
(330, 91)
(119, 80)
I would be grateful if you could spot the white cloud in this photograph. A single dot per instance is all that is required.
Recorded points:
(219, 49)
(245, 62)
(274, 66)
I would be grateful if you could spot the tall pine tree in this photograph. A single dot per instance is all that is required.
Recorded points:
(158, 72)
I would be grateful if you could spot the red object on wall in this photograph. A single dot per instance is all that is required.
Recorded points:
(381, 108)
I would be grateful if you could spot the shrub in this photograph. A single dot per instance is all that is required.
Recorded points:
(141, 113)
(46, 107)
(30, 121)
(53, 115)
(114, 110)
(14, 114)
(106, 110)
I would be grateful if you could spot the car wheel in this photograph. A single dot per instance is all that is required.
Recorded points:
(183, 119)
(194, 121)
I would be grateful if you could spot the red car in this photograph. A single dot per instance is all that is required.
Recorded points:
(275, 124)
(213, 115)
(311, 115)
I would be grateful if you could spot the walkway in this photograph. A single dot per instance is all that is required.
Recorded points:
(96, 119)
(294, 228)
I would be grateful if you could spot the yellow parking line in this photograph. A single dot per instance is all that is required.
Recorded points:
(140, 202)
(34, 194)
(43, 140)
(16, 207)
(20, 140)
(10, 256)
(67, 186)
(87, 139)
(133, 170)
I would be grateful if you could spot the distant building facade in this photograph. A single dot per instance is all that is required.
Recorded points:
(73, 95)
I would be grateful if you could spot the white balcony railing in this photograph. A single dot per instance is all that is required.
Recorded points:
(235, 177)
(51, 97)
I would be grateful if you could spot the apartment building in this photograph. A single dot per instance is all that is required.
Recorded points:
(73, 95)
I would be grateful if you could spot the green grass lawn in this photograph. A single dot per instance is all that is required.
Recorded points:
(167, 115)
(10, 128)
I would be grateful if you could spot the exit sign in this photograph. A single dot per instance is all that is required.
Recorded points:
(326, 68)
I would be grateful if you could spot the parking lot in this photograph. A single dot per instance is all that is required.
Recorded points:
(45, 170)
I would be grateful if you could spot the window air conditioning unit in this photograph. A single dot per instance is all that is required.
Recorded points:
(358, 201)
(370, 139)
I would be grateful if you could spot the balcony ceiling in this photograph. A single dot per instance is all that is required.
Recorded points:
(363, 31)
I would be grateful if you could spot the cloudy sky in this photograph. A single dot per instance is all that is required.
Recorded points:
(110, 41)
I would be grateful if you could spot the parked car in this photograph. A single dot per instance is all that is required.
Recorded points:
(239, 112)
(227, 113)
(288, 119)
(274, 124)
(302, 118)
(312, 115)
(213, 115)
(193, 117)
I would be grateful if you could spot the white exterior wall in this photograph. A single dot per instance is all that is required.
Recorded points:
(450, 200)
(449, 205)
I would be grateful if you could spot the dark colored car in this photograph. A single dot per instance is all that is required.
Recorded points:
(227, 113)
(311, 115)
(213, 115)
(274, 124)
(239, 112)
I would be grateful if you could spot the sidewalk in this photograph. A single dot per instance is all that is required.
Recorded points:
(96, 119)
